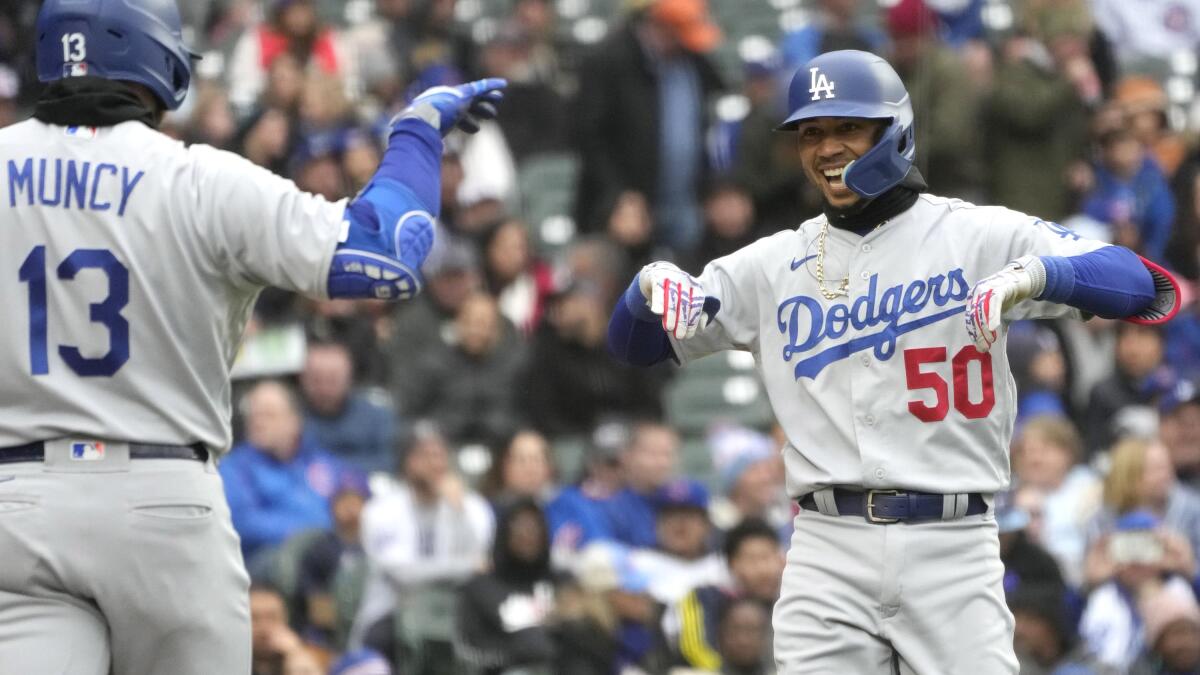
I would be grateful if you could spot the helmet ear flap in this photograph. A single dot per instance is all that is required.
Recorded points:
(881, 167)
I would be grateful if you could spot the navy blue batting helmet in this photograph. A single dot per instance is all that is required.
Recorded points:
(851, 83)
(133, 40)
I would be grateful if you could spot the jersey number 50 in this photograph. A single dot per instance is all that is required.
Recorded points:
(960, 366)
(106, 313)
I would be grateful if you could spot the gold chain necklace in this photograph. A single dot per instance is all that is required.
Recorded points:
(843, 288)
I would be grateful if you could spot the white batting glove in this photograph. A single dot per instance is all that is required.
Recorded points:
(1019, 280)
(676, 296)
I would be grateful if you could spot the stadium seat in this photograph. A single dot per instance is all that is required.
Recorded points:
(547, 187)
(723, 387)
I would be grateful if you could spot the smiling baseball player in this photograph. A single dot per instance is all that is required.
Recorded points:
(898, 417)
(129, 265)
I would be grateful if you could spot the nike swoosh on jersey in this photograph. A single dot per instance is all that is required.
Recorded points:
(797, 263)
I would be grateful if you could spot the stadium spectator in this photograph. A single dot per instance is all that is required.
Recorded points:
(292, 27)
(266, 139)
(744, 639)
(278, 481)
(1172, 639)
(418, 328)
(729, 224)
(1046, 456)
(1183, 248)
(285, 85)
(467, 386)
(356, 429)
(764, 164)
(578, 513)
(327, 556)
(571, 382)
(1140, 477)
(1183, 342)
(521, 468)
(1031, 501)
(755, 561)
(275, 648)
(1045, 639)
(1179, 429)
(1152, 31)
(630, 614)
(427, 535)
(837, 24)
(212, 121)
(1122, 402)
(1026, 563)
(520, 281)
(949, 152)
(683, 558)
(691, 626)
(421, 34)
(1129, 191)
(506, 616)
(641, 116)
(648, 463)
(1144, 105)
(1039, 368)
(1035, 115)
(749, 480)
(1139, 558)
(535, 112)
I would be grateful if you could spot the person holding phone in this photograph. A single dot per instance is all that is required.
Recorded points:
(1138, 558)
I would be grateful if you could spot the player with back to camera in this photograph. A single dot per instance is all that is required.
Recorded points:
(129, 265)
(898, 418)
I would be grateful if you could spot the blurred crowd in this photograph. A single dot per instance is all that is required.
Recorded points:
(467, 483)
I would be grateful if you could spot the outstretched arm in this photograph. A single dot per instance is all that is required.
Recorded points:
(388, 228)
(1111, 282)
(663, 300)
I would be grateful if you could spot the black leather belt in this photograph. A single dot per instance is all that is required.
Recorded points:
(893, 506)
(36, 452)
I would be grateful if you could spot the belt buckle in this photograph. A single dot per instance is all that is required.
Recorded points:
(871, 517)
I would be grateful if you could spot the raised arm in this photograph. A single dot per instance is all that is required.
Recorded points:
(389, 227)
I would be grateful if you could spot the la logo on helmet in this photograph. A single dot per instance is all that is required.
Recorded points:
(820, 84)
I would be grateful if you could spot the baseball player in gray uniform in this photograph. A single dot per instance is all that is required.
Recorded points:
(898, 417)
(129, 265)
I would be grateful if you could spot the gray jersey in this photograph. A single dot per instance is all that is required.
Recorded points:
(129, 265)
(883, 388)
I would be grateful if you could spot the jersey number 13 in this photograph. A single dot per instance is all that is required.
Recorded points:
(107, 313)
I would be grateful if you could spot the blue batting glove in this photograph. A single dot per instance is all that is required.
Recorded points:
(445, 108)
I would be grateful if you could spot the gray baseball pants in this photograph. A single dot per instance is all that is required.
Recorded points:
(128, 567)
(923, 598)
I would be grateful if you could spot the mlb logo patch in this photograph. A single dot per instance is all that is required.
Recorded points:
(75, 70)
(88, 133)
(87, 451)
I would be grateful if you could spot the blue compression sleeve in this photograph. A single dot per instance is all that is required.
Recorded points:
(635, 334)
(390, 224)
(1110, 282)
